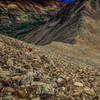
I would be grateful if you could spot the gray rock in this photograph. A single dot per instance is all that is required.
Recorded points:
(45, 89)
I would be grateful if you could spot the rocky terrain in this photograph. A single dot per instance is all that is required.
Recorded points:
(54, 72)
(65, 63)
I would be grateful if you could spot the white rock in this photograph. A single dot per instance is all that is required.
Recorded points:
(59, 80)
(63, 88)
(28, 53)
(78, 84)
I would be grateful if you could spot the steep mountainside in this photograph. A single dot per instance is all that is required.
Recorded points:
(78, 21)
(19, 17)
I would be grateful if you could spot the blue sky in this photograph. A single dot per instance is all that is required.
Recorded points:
(69, 1)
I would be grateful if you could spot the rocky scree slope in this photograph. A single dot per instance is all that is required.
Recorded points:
(52, 72)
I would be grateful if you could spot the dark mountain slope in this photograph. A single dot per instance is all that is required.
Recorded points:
(19, 17)
(78, 21)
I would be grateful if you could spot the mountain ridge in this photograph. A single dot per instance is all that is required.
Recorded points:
(81, 23)
(18, 18)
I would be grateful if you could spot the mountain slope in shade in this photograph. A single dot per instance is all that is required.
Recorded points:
(78, 21)
(19, 17)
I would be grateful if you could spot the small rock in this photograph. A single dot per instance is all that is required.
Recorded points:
(16, 78)
(45, 89)
(9, 89)
(77, 91)
(10, 62)
(78, 84)
(21, 93)
(36, 58)
(28, 53)
(60, 80)
(12, 6)
(36, 98)
(44, 58)
(67, 78)
(89, 91)
(27, 78)
(63, 88)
